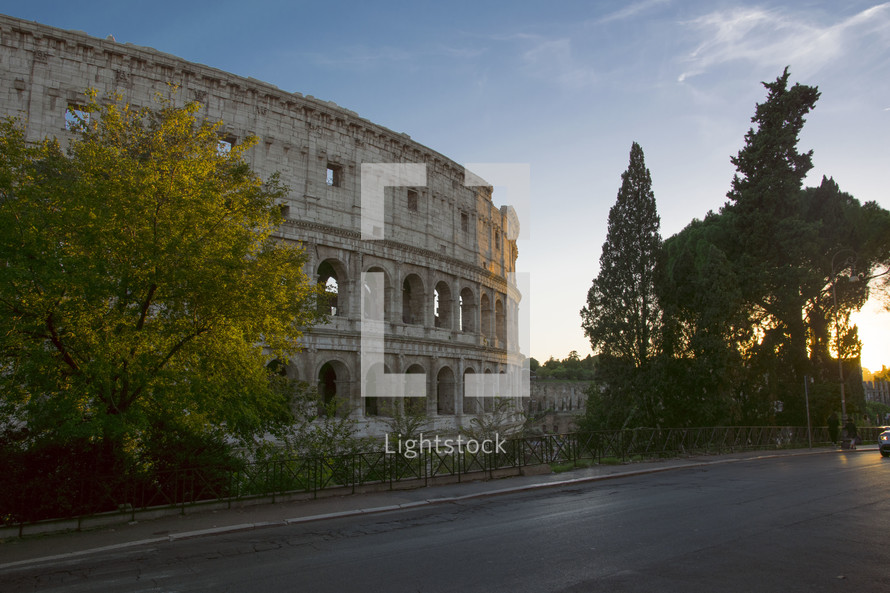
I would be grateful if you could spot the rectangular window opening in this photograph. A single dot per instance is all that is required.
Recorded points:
(465, 222)
(412, 200)
(334, 175)
(225, 144)
(76, 116)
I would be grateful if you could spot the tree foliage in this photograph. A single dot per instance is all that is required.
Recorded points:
(622, 317)
(748, 292)
(139, 280)
(748, 301)
(571, 368)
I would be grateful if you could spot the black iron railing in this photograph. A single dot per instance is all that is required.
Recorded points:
(93, 494)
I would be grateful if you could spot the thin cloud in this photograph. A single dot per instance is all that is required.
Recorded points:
(631, 11)
(363, 57)
(462, 52)
(777, 38)
(554, 60)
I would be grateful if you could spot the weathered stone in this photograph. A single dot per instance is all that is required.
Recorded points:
(443, 235)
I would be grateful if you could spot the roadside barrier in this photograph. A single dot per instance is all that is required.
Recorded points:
(428, 462)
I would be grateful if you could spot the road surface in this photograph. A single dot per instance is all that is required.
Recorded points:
(800, 523)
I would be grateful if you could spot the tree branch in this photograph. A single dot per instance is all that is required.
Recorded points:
(125, 402)
(57, 342)
(145, 306)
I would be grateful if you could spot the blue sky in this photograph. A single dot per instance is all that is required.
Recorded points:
(565, 87)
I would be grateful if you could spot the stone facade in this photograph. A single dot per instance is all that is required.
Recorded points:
(556, 404)
(447, 254)
(877, 391)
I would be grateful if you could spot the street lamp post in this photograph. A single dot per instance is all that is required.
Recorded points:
(806, 394)
(837, 332)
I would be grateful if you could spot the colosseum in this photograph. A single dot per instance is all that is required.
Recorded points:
(444, 258)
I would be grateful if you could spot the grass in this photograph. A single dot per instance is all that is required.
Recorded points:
(582, 463)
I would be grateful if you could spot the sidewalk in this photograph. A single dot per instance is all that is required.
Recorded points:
(45, 548)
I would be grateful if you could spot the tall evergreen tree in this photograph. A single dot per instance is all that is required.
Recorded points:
(622, 315)
(778, 243)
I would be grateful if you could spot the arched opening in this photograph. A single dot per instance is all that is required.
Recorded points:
(332, 276)
(488, 402)
(445, 392)
(371, 297)
(485, 306)
(442, 305)
(332, 388)
(376, 401)
(467, 311)
(470, 404)
(500, 323)
(412, 300)
(413, 404)
(277, 367)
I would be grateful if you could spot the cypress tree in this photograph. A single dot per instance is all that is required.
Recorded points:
(622, 317)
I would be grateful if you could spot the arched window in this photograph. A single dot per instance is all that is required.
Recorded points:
(333, 381)
(485, 306)
(332, 275)
(376, 401)
(414, 404)
(467, 311)
(445, 392)
(371, 297)
(412, 300)
(471, 405)
(442, 305)
(327, 386)
(488, 402)
(277, 367)
(500, 322)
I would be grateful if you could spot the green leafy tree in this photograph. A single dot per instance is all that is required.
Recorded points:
(854, 250)
(790, 240)
(707, 330)
(571, 368)
(622, 318)
(748, 292)
(140, 283)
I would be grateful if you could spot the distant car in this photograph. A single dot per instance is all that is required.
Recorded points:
(884, 442)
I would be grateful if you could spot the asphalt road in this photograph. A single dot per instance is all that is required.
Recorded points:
(804, 523)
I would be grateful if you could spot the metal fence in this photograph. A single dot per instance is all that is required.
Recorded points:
(95, 494)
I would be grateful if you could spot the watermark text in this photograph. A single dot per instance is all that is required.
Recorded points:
(411, 448)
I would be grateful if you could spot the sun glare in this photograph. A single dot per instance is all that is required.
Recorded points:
(874, 331)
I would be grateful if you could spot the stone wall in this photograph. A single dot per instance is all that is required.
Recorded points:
(444, 240)
(557, 404)
(877, 391)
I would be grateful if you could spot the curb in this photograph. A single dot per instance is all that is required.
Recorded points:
(69, 555)
(396, 507)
